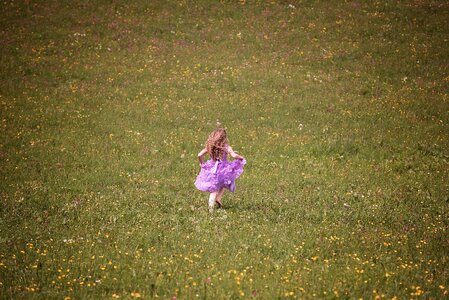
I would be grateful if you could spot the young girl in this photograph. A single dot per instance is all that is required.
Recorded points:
(218, 173)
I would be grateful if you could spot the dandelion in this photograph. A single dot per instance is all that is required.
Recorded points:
(136, 295)
(418, 291)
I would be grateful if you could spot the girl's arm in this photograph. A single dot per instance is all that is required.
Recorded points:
(201, 155)
(233, 154)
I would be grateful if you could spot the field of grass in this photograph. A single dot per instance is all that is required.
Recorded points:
(341, 109)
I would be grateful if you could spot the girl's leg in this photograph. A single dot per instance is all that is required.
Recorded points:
(219, 196)
(212, 198)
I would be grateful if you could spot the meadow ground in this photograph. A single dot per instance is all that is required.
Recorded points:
(341, 109)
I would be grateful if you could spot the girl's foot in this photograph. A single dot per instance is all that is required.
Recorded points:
(220, 205)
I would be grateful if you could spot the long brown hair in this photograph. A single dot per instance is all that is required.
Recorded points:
(216, 143)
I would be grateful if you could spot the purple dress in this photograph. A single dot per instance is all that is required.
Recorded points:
(215, 175)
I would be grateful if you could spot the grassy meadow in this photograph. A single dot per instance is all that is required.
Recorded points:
(341, 109)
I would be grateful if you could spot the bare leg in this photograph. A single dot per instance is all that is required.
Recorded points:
(212, 198)
(219, 196)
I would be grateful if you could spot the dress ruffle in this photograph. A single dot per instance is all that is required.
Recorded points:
(215, 175)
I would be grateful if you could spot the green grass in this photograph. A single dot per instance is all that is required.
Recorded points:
(341, 109)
